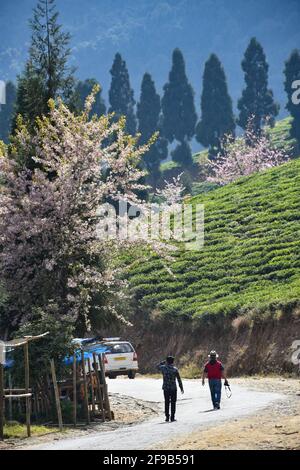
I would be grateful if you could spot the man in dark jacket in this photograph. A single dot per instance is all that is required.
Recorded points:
(170, 375)
(214, 371)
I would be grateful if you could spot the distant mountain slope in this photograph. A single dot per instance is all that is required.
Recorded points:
(251, 256)
(146, 31)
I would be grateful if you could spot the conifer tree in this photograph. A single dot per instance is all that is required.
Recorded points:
(182, 154)
(148, 114)
(82, 90)
(121, 97)
(46, 74)
(256, 103)
(217, 119)
(179, 115)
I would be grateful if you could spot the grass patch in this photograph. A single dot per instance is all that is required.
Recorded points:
(19, 431)
(167, 166)
(200, 157)
(280, 135)
(190, 371)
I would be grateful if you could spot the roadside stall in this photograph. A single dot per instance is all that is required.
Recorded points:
(81, 386)
(16, 393)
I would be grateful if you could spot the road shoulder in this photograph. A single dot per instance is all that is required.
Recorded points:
(128, 411)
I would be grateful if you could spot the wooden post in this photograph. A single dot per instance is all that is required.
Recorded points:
(35, 407)
(1, 401)
(86, 397)
(74, 390)
(106, 398)
(100, 399)
(10, 403)
(48, 395)
(26, 363)
(19, 407)
(92, 387)
(57, 398)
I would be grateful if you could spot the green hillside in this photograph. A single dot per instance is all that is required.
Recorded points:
(279, 134)
(251, 257)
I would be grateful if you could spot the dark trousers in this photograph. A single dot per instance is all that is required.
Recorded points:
(170, 398)
(215, 386)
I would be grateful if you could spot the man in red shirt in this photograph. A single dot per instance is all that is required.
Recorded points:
(214, 372)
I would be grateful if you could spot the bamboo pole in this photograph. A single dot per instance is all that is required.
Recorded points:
(100, 397)
(106, 398)
(19, 407)
(10, 411)
(35, 407)
(38, 408)
(57, 399)
(26, 363)
(48, 396)
(86, 398)
(92, 388)
(21, 395)
(1, 401)
(74, 390)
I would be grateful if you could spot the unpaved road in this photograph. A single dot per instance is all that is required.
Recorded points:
(193, 414)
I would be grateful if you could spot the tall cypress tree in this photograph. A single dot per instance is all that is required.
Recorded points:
(46, 74)
(121, 95)
(179, 115)
(82, 90)
(217, 119)
(6, 112)
(257, 102)
(292, 73)
(148, 114)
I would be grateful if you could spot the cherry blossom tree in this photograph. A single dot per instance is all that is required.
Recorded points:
(50, 253)
(172, 192)
(244, 156)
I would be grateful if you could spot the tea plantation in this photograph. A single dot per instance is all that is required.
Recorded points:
(251, 255)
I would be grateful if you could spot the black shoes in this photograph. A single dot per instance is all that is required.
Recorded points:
(167, 420)
(172, 420)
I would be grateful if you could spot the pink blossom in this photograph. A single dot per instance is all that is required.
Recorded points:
(244, 156)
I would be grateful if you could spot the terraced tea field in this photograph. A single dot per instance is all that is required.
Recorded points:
(251, 256)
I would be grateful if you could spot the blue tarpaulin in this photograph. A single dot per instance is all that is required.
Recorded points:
(8, 364)
(68, 360)
(98, 349)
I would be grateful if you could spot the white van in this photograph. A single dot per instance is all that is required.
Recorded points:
(119, 357)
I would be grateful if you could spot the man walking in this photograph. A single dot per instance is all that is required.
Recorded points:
(214, 371)
(170, 375)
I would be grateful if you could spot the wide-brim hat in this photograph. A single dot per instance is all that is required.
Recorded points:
(170, 358)
(213, 354)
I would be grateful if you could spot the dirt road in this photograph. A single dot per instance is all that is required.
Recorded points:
(193, 414)
(276, 427)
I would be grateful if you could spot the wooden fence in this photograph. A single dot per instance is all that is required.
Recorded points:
(84, 389)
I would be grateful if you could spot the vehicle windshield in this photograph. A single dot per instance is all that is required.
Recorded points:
(118, 348)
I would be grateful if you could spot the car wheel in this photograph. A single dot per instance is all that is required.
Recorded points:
(131, 375)
(112, 376)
